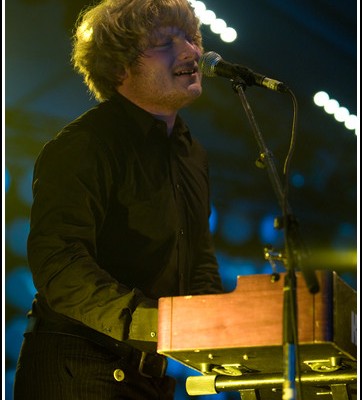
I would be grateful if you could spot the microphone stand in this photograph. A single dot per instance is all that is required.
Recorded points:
(293, 255)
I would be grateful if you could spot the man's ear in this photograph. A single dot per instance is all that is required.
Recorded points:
(125, 74)
(121, 77)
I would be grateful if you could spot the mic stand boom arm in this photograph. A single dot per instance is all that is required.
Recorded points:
(292, 258)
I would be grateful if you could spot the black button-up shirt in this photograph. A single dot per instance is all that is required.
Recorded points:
(120, 219)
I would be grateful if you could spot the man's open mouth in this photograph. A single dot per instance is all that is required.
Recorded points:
(186, 72)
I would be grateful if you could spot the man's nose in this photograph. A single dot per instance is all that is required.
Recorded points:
(188, 51)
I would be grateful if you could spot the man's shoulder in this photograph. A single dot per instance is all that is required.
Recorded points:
(104, 116)
(102, 123)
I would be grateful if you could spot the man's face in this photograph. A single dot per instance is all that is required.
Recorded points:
(167, 77)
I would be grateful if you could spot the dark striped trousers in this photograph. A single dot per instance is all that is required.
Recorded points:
(62, 367)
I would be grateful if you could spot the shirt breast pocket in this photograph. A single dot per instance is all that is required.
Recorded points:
(154, 217)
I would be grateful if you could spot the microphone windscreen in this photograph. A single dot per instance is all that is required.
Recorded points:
(208, 62)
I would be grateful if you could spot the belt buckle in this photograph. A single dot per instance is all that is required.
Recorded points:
(159, 363)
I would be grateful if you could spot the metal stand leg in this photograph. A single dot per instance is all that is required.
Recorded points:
(249, 394)
(341, 392)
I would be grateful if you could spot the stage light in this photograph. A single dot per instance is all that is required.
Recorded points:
(9, 383)
(228, 35)
(7, 179)
(267, 232)
(24, 187)
(341, 114)
(231, 267)
(236, 228)
(321, 98)
(334, 260)
(14, 331)
(217, 25)
(332, 107)
(17, 232)
(351, 123)
(19, 288)
(213, 220)
(207, 17)
(297, 180)
(345, 236)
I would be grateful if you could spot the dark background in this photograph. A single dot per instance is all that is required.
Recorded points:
(311, 45)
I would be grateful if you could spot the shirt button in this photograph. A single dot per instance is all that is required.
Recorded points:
(118, 375)
(178, 186)
(181, 232)
(153, 334)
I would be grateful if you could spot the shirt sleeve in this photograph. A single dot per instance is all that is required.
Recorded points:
(205, 278)
(71, 188)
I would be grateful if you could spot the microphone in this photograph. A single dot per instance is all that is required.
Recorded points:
(211, 64)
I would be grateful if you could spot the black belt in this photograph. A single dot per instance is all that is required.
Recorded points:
(151, 365)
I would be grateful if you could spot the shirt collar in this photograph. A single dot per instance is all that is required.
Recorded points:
(147, 121)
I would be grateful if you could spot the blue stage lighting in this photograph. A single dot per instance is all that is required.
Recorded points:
(19, 288)
(17, 233)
